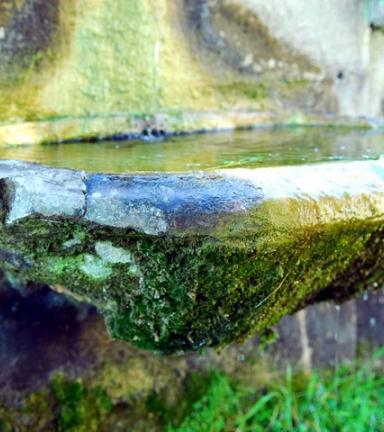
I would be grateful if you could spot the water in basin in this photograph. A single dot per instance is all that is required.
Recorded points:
(246, 149)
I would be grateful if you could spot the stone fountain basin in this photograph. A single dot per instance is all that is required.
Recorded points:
(177, 262)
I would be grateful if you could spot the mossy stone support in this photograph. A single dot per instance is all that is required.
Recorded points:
(181, 261)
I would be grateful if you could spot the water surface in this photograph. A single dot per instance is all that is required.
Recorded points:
(245, 149)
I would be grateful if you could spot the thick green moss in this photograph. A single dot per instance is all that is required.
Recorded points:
(184, 293)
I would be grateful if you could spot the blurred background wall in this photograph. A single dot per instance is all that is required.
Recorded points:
(114, 58)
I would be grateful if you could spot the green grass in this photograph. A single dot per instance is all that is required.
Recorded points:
(343, 401)
(348, 400)
(79, 409)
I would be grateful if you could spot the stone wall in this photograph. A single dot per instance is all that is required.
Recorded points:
(106, 59)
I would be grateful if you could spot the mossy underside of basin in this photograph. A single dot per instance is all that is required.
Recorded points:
(186, 293)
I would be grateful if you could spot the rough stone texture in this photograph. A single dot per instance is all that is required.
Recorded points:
(93, 67)
(344, 54)
(32, 189)
(156, 204)
(28, 29)
(199, 202)
(181, 261)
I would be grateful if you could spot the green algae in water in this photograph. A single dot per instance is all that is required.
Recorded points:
(255, 148)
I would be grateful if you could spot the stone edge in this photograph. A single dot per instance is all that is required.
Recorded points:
(196, 202)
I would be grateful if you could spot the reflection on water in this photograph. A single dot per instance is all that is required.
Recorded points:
(247, 148)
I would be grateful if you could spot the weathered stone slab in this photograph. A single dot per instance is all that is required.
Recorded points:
(159, 204)
(180, 261)
(33, 189)
(198, 203)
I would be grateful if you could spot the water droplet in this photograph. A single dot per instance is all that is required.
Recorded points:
(372, 321)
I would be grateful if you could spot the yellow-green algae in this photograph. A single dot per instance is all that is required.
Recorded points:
(105, 61)
(109, 57)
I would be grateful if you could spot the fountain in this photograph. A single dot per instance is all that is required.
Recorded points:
(113, 201)
(177, 261)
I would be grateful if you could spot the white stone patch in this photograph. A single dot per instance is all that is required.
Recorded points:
(43, 190)
(112, 254)
(310, 76)
(95, 267)
(271, 63)
(247, 61)
(71, 242)
(133, 269)
(2, 32)
(110, 211)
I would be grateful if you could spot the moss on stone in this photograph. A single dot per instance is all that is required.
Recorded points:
(191, 291)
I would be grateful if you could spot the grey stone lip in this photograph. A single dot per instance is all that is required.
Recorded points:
(196, 202)
(28, 189)
(157, 204)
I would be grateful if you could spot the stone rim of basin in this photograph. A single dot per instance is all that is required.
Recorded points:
(180, 261)
(180, 203)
